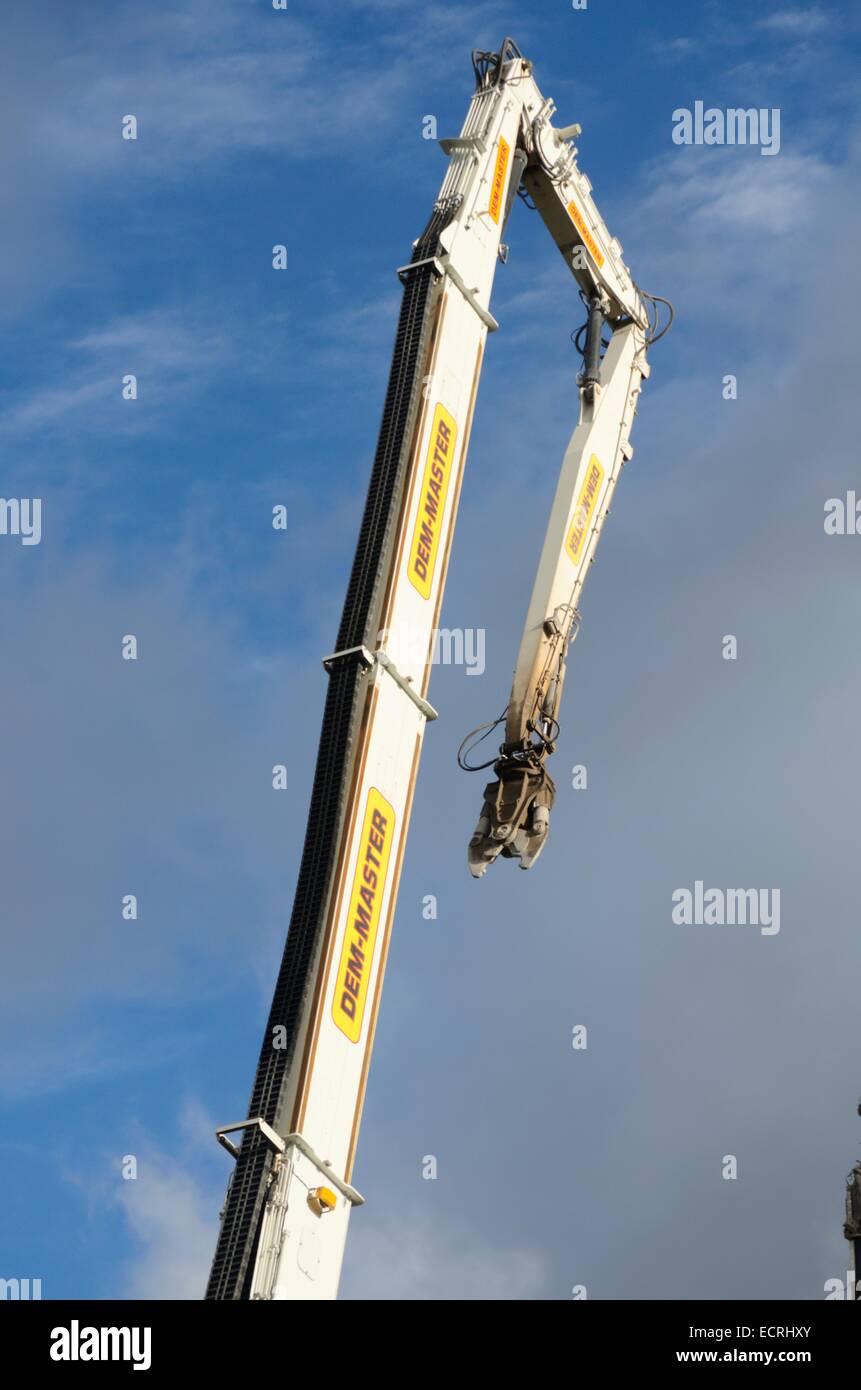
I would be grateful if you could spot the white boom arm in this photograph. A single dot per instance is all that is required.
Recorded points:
(285, 1219)
(515, 818)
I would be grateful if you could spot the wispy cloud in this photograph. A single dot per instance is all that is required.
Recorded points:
(679, 49)
(423, 1255)
(796, 23)
(208, 85)
(175, 355)
(214, 81)
(171, 1212)
(742, 228)
(347, 341)
(188, 760)
(734, 195)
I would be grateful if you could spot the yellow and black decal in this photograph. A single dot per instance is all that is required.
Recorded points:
(363, 919)
(585, 509)
(588, 240)
(435, 481)
(497, 187)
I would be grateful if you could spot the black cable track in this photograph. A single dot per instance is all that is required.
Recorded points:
(233, 1265)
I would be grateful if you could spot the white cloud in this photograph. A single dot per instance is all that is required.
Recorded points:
(418, 1256)
(175, 354)
(171, 1215)
(796, 23)
(118, 776)
(675, 50)
(171, 1211)
(726, 234)
(728, 189)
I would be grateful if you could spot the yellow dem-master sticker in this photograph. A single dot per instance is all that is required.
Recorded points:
(438, 468)
(369, 882)
(497, 188)
(588, 240)
(585, 509)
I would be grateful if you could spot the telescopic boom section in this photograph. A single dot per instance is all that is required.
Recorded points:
(288, 1204)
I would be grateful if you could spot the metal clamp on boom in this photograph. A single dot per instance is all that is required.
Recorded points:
(266, 1130)
(443, 266)
(282, 1146)
(382, 659)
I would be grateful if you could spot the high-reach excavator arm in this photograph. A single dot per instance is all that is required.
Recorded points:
(285, 1218)
(515, 817)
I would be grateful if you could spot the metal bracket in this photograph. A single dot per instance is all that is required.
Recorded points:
(388, 665)
(463, 142)
(403, 270)
(266, 1130)
(369, 659)
(296, 1141)
(290, 1141)
(443, 266)
(469, 295)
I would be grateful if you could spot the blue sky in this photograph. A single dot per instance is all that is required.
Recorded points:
(259, 387)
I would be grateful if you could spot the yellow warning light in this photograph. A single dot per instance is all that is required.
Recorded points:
(321, 1200)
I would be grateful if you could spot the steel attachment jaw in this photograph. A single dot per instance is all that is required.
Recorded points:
(515, 817)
